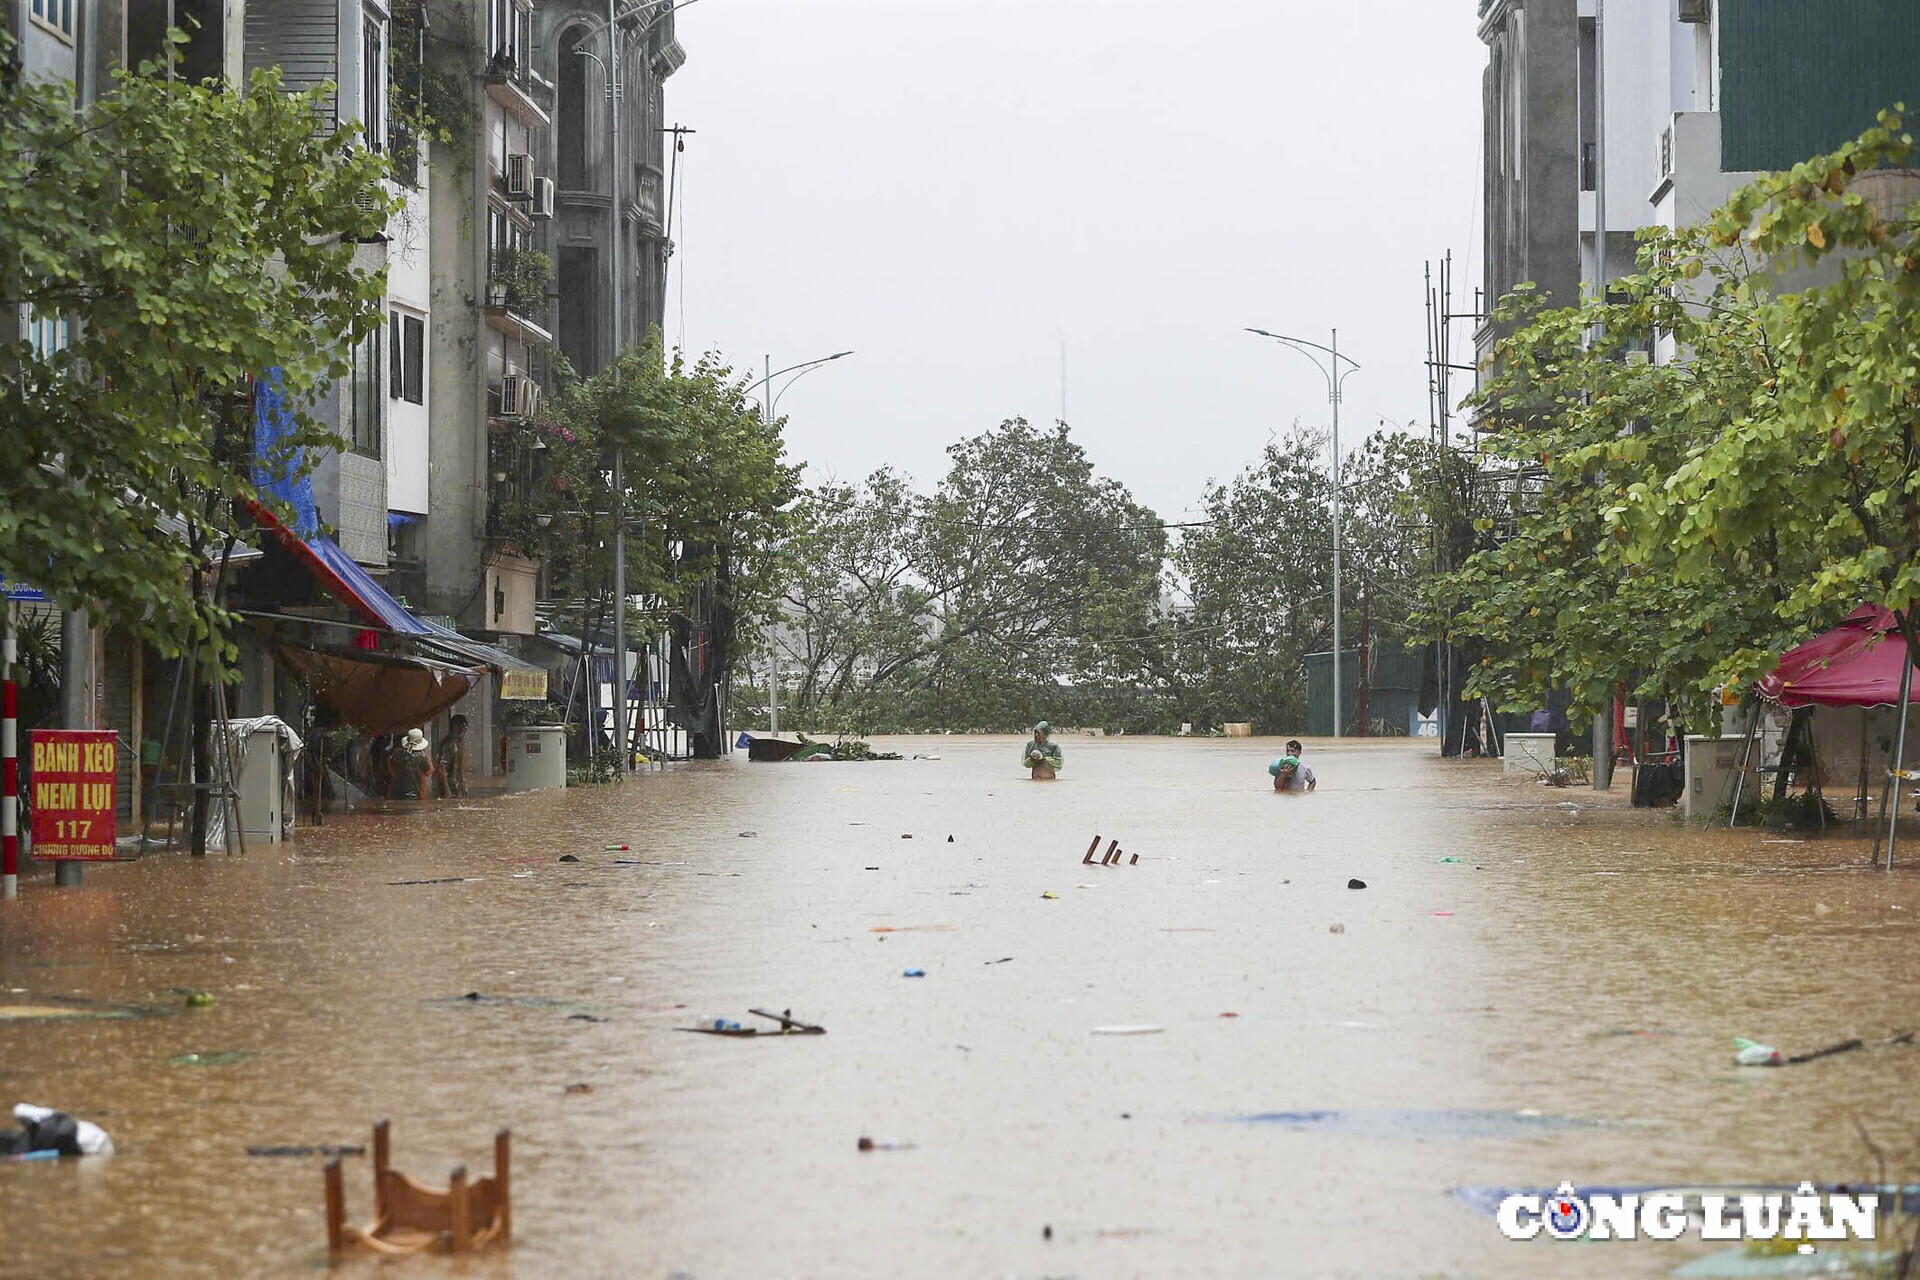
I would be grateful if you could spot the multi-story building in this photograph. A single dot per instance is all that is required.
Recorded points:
(572, 55)
(1666, 106)
(490, 328)
(344, 42)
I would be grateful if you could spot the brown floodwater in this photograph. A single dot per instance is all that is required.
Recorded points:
(1470, 1049)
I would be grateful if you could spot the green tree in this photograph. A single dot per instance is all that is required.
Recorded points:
(706, 490)
(1815, 474)
(1259, 575)
(192, 239)
(1041, 572)
(857, 599)
(1678, 524)
(1026, 585)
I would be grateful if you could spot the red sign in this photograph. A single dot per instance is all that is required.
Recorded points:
(73, 782)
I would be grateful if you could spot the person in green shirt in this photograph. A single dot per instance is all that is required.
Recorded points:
(1041, 756)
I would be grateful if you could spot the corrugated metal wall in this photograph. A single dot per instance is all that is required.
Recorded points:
(1798, 79)
(1392, 694)
(301, 37)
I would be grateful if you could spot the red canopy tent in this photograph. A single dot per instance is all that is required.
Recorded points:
(1857, 664)
(1862, 662)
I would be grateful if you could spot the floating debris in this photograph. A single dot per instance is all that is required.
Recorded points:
(789, 1026)
(1415, 1125)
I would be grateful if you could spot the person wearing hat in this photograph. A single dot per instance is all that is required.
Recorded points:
(410, 767)
(1289, 774)
(1042, 756)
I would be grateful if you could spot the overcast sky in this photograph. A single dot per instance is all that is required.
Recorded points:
(951, 188)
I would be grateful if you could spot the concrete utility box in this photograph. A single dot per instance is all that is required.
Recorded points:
(1528, 753)
(1711, 766)
(536, 757)
(261, 785)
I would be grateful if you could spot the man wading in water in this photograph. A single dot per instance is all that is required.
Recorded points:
(1042, 755)
(1289, 774)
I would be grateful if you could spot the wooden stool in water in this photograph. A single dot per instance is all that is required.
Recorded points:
(410, 1218)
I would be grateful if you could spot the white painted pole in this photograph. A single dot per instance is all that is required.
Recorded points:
(1335, 389)
(1899, 748)
(617, 234)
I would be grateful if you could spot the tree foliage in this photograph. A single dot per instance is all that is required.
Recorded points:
(1681, 521)
(1025, 585)
(1259, 574)
(193, 239)
(706, 486)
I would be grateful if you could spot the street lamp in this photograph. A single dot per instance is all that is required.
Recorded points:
(1329, 369)
(769, 404)
(610, 72)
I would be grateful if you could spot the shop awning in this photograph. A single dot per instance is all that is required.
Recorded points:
(346, 580)
(520, 680)
(381, 692)
(355, 587)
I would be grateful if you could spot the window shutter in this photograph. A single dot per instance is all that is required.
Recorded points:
(415, 366)
(394, 351)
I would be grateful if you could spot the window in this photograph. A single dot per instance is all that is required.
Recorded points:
(47, 334)
(373, 79)
(56, 16)
(507, 35)
(406, 357)
(363, 398)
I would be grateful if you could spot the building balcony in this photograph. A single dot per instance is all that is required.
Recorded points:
(518, 322)
(515, 90)
(516, 303)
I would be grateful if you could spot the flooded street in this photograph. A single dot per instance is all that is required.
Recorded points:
(1464, 1028)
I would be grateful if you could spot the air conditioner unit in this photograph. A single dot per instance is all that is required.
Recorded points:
(542, 198)
(513, 389)
(1696, 10)
(519, 176)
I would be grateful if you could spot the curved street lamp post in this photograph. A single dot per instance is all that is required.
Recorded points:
(769, 406)
(1329, 369)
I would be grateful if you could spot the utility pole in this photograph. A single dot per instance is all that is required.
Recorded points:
(773, 646)
(769, 406)
(1603, 717)
(1331, 371)
(1360, 711)
(616, 233)
(9, 757)
(76, 702)
(1335, 393)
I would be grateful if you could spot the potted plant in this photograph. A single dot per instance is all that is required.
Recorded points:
(522, 277)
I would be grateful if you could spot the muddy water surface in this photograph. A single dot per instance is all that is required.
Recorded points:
(1461, 1029)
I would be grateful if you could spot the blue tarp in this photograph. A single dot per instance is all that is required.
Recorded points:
(353, 581)
(278, 468)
